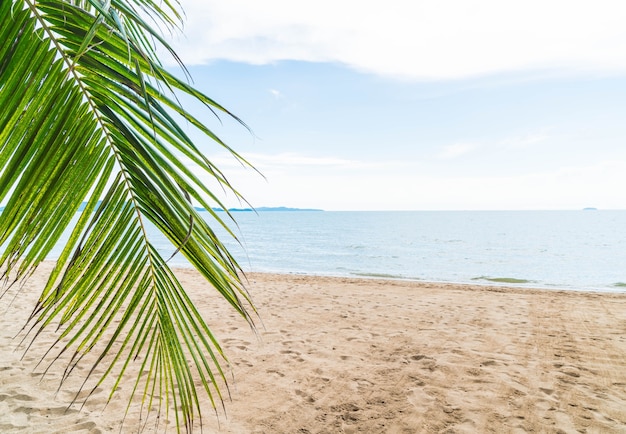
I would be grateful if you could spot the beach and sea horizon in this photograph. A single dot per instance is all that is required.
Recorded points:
(384, 322)
(414, 211)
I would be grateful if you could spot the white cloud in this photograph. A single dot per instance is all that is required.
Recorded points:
(295, 161)
(460, 149)
(456, 150)
(525, 141)
(277, 94)
(569, 188)
(429, 39)
(340, 184)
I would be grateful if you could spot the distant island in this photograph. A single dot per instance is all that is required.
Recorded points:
(261, 208)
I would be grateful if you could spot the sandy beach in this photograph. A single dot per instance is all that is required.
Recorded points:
(340, 355)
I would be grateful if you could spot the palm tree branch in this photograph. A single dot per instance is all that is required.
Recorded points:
(112, 140)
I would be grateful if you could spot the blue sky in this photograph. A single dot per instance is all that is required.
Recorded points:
(416, 105)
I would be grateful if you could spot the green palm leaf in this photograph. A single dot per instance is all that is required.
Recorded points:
(86, 114)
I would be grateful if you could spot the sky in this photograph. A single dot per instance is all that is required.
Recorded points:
(414, 105)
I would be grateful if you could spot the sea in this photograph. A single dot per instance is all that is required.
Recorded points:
(572, 250)
(576, 250)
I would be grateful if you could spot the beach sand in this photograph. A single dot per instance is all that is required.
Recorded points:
(340, 355)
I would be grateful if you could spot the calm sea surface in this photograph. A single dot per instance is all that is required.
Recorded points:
(550, 249)
(559, 249)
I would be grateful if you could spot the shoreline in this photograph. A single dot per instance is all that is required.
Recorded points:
(352, 354)
(530, 285)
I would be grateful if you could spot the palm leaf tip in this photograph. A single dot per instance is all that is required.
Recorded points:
(84, 117)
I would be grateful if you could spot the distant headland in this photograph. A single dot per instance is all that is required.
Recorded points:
(199, 208)
(261, 209)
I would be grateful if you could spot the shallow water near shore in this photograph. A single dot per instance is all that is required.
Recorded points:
(579, 250)
(564, 249)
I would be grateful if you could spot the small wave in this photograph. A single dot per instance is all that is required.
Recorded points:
(620, 284)
(502, 279)
(378, 275)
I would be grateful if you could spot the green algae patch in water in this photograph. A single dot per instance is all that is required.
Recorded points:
(502, 279)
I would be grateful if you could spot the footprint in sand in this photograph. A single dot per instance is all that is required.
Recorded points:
(571, 371)
(348, 411)
(305, 396)
(276, 372)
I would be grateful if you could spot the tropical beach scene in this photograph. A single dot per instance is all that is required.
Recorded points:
(312, 217)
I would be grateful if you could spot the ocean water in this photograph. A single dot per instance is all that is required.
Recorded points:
(546, 249)
(549, 249)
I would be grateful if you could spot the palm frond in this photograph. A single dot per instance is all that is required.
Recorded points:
(86, 114)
